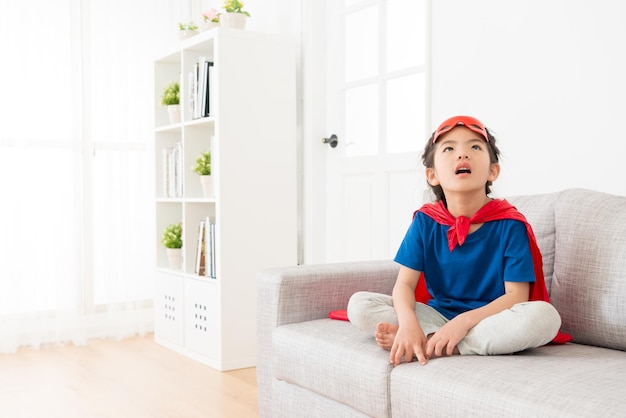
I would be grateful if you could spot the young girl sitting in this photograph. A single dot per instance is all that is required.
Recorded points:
(471, 262)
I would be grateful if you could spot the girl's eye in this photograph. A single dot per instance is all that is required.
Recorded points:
(476, 147)
(448, 149)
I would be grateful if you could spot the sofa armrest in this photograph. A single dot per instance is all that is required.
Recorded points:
(307, 292)
(304, 293)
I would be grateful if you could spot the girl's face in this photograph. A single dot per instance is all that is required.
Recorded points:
(462, 163)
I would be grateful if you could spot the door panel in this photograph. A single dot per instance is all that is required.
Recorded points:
(376, 102)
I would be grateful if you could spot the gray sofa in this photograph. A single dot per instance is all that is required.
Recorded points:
(312, 366)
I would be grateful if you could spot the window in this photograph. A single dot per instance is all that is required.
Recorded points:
(385, 76)
(76, 167)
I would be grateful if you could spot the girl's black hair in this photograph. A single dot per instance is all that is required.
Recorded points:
(428, 159)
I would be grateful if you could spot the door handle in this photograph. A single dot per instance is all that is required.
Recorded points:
(332, 141)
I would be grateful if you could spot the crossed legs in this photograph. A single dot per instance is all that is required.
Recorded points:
(526, 325)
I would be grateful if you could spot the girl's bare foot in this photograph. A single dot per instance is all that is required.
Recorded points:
(385, 334)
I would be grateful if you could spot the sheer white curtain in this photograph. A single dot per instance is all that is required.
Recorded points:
(77, 246)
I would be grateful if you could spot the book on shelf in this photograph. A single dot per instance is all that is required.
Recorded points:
(205, 250)
(178, 171)
(201, 89)
(206, 98)
(209, 245)
(200, 81)
(166, 172)
(192, 91)
(173, 171)
(197, 86)
(200, 250)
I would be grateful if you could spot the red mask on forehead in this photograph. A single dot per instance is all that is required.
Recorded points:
(467, 121)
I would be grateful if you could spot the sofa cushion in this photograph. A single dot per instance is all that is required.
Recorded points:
(551, 381)
(539, 211)
(337, 360)
(295, 401)
(589, 283)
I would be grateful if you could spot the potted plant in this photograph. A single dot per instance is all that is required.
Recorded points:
(171, 99)
(187, 29)
(234, 16)
(211, 19)
(203, 169)
(173, 241)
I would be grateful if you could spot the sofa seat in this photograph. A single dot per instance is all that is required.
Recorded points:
(330, 357)
(569, 380)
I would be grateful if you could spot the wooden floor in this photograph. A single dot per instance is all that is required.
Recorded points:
(134, 378)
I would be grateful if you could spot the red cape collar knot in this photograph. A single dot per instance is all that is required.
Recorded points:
(459, 227)
(458, 231)
(496, 209)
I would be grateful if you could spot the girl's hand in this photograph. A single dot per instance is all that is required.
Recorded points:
(444, 341)
(410, 342)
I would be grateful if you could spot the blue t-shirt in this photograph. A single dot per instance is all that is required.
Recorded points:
(473, 274)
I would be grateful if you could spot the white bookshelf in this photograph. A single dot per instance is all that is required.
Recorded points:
(251, 135)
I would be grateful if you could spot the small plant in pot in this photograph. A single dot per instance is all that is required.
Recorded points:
(234, 6)
(203, 169)
(234, 16)
(173, 241)
(171, 99)
(210, 19)
(187, 29)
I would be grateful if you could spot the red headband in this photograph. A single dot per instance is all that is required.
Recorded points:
(467, 121)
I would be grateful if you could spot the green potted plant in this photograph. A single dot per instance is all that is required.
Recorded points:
(234, 16)
(211, 19)
(173, 241)
(187, 29)
(171, 99)
(203, 169)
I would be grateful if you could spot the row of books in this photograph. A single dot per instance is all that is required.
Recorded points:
(200, 82)
(205, 252)
(173, 171)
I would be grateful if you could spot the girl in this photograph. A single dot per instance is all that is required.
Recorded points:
(470, 261)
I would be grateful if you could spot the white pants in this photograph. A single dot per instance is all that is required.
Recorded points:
(526, 325)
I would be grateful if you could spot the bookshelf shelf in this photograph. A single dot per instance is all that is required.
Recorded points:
(251, 133)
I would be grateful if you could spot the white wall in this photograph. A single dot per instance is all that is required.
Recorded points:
(548, 76)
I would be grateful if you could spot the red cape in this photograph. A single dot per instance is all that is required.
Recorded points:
(459, 228)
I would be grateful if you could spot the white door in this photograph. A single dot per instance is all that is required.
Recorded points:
(372, 95)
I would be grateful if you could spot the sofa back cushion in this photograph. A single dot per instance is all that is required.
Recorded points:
(588, 287)
(539, 211)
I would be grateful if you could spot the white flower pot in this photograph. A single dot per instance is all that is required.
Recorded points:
(233, 20)
(175, 258)
(207, 189)
(186, 34)
(174, 113)
(209, 25)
